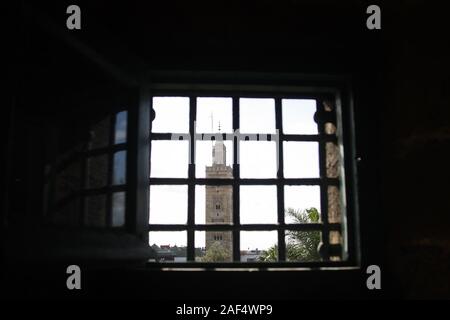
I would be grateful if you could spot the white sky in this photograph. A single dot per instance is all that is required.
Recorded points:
(258, 159)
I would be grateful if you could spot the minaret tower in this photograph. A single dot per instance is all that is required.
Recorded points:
(219, 201)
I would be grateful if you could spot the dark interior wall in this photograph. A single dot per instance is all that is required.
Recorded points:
(415, 135)
(64, 80)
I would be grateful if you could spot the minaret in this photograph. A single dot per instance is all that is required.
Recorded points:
(219, 201)
(219, 152)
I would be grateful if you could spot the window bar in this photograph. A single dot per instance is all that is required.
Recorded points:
(248, 181)
(112, 125)
(308, 137)
(191, 177)
(236, 177)
(280, 186)
(325, 252)
(152, 116)
(138, 163)
(246, 227)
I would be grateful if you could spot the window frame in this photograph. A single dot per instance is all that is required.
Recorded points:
(84, 191)
(337, 89)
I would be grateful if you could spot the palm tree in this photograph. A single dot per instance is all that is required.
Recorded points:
(300, 245)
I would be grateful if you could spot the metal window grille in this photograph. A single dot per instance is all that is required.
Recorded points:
(345, 252)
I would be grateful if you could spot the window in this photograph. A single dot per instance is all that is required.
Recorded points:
(271, 159)
(87, 185)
